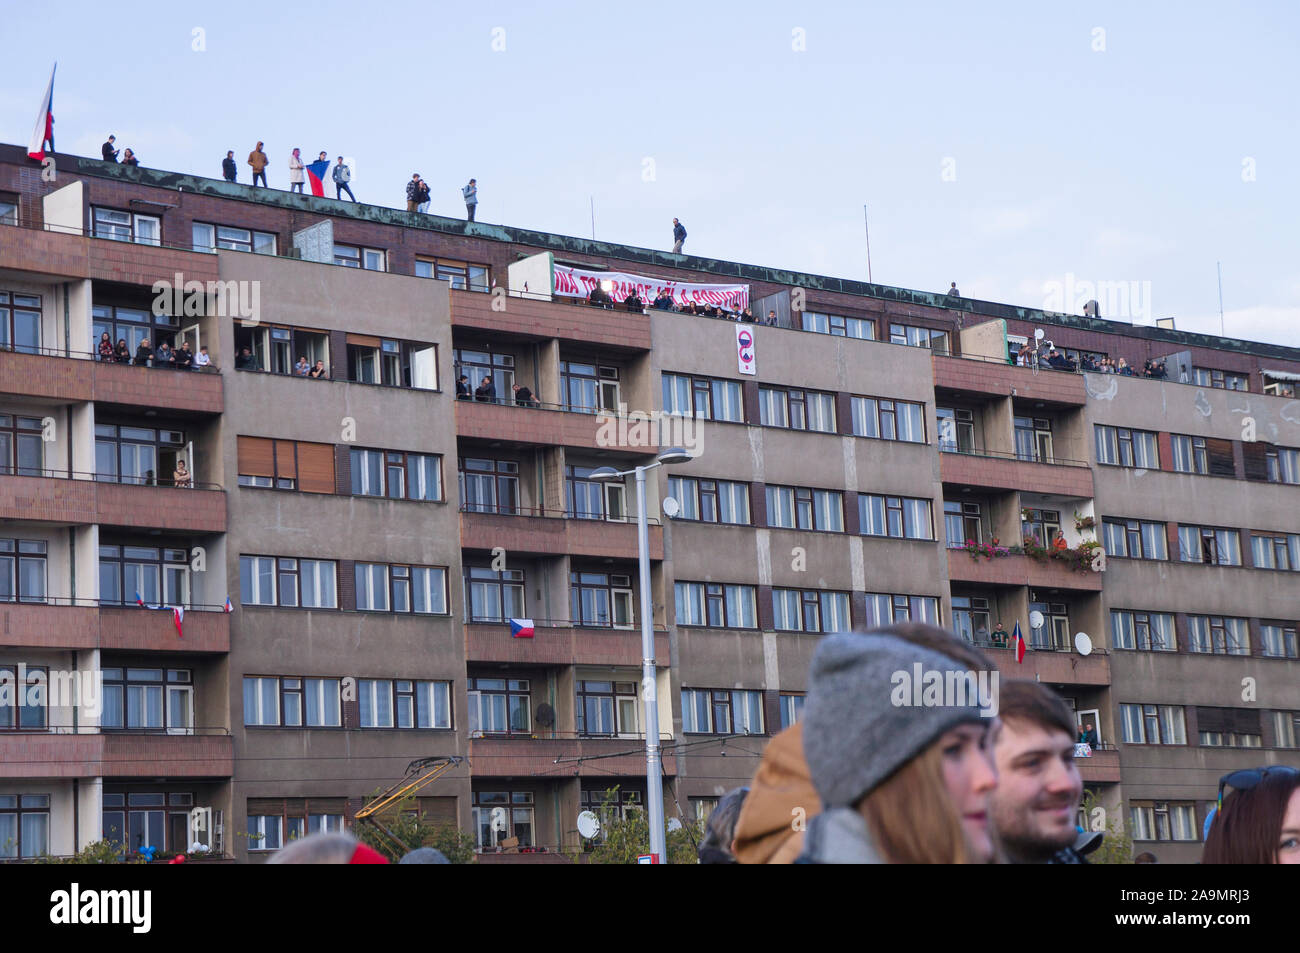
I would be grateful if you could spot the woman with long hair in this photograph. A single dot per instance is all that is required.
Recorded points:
(901, 759)
(1259, 821)
(105, 347)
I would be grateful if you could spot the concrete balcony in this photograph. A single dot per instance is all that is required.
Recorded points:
(1101, 768)
(45, 626)
(514, 757)
(78, 378)
(36, 252)
(486, 642)
(536, 319)
(1019, 571)
(46, 755)
(1054, 668)
(136, 264)
(84, 501)
(995, 379)
(556, 536)
(988, 472)
(554, 426)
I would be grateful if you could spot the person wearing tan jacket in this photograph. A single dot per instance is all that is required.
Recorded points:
(258, 160)
(781, 801)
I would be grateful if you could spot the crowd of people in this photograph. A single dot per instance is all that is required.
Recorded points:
(486, 393)
(1031, 356)
(182, 357)
(598, 297)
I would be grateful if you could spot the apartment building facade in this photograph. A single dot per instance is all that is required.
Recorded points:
(376, 535)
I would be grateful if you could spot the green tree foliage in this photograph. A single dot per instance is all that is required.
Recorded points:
(415, 830)
(1117, 846)
(626, 838)
(96, 852)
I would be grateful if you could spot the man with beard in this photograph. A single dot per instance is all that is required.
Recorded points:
(1039, 788)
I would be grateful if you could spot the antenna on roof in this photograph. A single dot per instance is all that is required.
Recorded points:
(593, 218)
(867, 228)
(1219, 267)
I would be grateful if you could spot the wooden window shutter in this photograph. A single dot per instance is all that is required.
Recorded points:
(1219, 454)
(338, 357)
(286, 460)
(363, 340)
(256, 456)
(1254, 454)
(316, 467)
(342, 469)
(347, 585)
(766, 619)
(1213, 719)
(758, 504)
(265, 805)
(438, 810)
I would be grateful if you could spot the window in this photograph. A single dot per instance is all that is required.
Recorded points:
(350, 256)
(1286, 729)
(709, 398)
(128, 573)
(798, 507)
(884, 608)
(588, 499)
(888, 419)
(23, 570)
(403, 703)
(919, 337)
(1276, 551)
(1217, 635)
(276, 350)
(962, 522)
(1279, 640)
(1163, 821)
(1033, 437)
(132, 325)
(1283, 465)
(970, 618)
(211, 237)
(23, 705)
(588, 388)
(291, 702)
(373, 360)
(1203, 544)
(8, 209)
(710, 501)
(715, 712)
(1054, 634)
(284, 464)
(1125, 447)
(493, 596)
(1189, 454)
(139, 818)
(1153, 724)
(148, 699)
(956, 429)
(483, 362)
(810, 610)
(20, 323)
(607, 708)
(501, 815)
(459, 274)
(1142, 631)
(601, 599)
(24, 825)
(715, 604)
(396, 474)
(499, 706)
(1134, 539)
(382, 587)
(902, 517)
(265, 832)
(21, 446)
(489, 486)
(1224, 380)
(791, 709)
(122, 226)
(287, 582)
(1229, 739)
(141, 456)
(702, 808)
(796, 409)
(1042, 525)
(839, 325)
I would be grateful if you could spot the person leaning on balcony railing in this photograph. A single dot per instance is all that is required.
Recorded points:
(1059, 544)
(163, 357)
(664, 302)
(599, 297)
(1059, 361)
(201, 360)
(181, 475)
(633, 302)
(246, 360)
(462, 388)
(524, 397)
(998, 637)
(486, 391)
(318, 372)
(1123, 369)
(184, 356)
(143, 353)
(105, 347)
(122, 353)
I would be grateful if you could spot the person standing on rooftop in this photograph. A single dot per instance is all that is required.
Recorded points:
(295, 172)
(953, 292)
(107, 150)
(679, 236)
(257, 159)
(471, 199)
(413, 193)
(228, 168)
(342, 176)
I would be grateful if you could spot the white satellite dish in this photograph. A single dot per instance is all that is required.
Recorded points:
(1038, 334)
(674, 825)
(671, 507)
(1083, 643)
(588, 824)
(1035, 619)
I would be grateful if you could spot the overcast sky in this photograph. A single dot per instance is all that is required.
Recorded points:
(1019, 149)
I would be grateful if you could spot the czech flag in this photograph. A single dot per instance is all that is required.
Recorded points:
(178, 614)
(1018, 641)
(521, 628)
(228, 607)
(44, 131)
(316, 176)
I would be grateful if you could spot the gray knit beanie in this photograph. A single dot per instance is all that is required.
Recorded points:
(862, 721)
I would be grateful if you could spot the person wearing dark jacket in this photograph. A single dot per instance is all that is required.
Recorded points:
(486, 391)
(107, 150)
(122, 353)
(130, 159)
(245, 360)
(163, 357)
(462, 389)
(184, 357)
(228, 167)
(143, 353)
(679, 236)
(599, 297)
(720, 831)
(524, 397)
(664, 302)
(633, 301)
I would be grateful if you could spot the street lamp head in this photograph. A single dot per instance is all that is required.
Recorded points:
(674, 455)
(605, 475)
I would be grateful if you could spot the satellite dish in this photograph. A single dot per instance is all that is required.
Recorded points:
(588, 824)
(1083, 643)
(1038, 334)
(671, 507)
(1035, 619)
(544, 715)
(674, 825)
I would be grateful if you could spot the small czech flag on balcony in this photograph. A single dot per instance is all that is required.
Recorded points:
(1018, 643)
(228, 607)
(521, 628)
(178, 616)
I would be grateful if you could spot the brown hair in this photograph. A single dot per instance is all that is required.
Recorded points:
(911, 817)
(1025, 700)
(1246, 830)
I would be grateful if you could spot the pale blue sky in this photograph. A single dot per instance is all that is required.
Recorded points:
(1124, 164)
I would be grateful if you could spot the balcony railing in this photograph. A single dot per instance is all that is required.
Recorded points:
(114, 479)
(1017, 455)
(492, 509)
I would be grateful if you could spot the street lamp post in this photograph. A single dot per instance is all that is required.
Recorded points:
(649, 683)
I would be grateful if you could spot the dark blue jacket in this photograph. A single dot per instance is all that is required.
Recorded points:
(679, 232)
